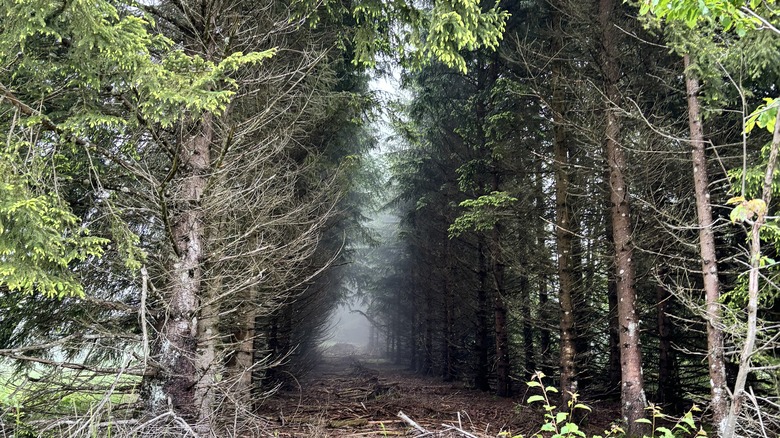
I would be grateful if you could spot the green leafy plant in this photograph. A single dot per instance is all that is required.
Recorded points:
(559, 423)
(683, 426)
(13, 408)
(726, 12)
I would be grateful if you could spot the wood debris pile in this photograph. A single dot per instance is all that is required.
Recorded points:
(447, 431)
(358, 396)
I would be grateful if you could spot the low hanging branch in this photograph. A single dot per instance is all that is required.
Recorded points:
(373, 322)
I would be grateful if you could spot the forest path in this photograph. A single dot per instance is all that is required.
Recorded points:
(360, 396)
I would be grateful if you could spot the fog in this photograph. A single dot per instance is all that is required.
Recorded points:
(349, 327)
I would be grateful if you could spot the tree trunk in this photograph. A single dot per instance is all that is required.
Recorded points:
(448, 349)
(396, 317)
(633, 401)
(269, 379)
(429, 322)
(414, 329)
(614, 368)
(416, 326)
(177, 349)
(503, 385)
(528, 332)
(243, 360)
(667, 386)
(542, 281)
(583, 314)
(709, 261)
(753, 276)
(614, 372)
(563, 216)
(206, 365)
(481, 381)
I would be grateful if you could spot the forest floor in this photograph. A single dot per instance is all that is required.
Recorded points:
(361, 396)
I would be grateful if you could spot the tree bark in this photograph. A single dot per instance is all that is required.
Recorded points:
(563, 217)
(416, 325)
(633, 401)
(528, 332)
(429, 329)
(243, 360)
(481, 381)
(614, 368)
(176, 350)
(414, 328)
(503, 383)
(542, 281)
(545, 335)
(613, 374)
(667, 386)
(709, 261)
(448, 349)
(397, 318)
(206, 365)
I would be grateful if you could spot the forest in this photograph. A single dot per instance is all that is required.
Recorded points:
(576, 197)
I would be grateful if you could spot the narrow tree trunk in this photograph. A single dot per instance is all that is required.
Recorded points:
(481, 381)
(389, 340)
(709, 261)
(563, 216)
(414, 353)
(429, 322)
(446, 338)
(503, 385)
(542, 314)
(269, 378)
(583, 315)
(396, 318)
(747, 352)
(614, 369)
(448, 349)
(206, 359)
(241, 366)
(633, 401)
(528, 332)
(667, 386)
(545, 335)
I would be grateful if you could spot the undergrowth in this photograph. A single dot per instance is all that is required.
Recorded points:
(558, 423)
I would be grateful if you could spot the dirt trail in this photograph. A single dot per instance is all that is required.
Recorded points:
(358, 396)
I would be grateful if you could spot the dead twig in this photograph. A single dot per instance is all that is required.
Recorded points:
(412, 423)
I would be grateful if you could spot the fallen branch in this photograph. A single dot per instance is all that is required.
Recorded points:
(373, 422)
(459, 430)
(448, 428)
(411, 422)
(136, 371)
